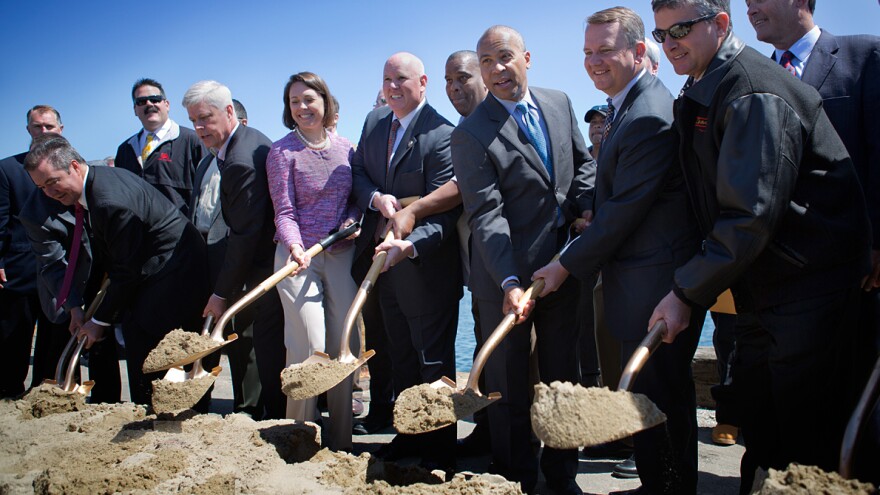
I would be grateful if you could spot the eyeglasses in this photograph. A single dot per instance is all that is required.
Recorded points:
(154, 99)
(680, 29)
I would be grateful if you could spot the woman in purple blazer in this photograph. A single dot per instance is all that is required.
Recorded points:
(309, 182)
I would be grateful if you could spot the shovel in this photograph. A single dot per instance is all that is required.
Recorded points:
(862, 413)
(64, 378)
(265, 286)
(180, 389)
(318, 373)
(566, 416)
(425, 408)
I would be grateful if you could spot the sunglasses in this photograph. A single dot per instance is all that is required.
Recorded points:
(680, 29)
(154, 99)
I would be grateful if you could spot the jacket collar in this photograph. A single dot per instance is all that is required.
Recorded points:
(703, 91)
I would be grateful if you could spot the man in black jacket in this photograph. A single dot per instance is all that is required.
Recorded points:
(784, 224)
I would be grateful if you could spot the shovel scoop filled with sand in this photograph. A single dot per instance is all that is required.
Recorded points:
(179, 389)
(566, 416)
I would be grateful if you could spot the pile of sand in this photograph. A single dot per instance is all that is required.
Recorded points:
(171, 396)
(566, 416)
(175, 347)
(309, 379)
(119, 448)
(49, 399)
(425, 408)
(806, 480)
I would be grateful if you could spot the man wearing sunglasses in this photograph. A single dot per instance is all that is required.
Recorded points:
(784, 225)
(162, 152)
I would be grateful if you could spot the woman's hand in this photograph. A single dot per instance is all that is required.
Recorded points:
(345, 224)
(301, 257)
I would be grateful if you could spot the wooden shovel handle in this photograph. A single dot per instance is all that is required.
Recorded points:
(646, 347)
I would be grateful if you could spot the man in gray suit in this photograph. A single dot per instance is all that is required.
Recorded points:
(524, 174)
(404, 151)
(640, 232)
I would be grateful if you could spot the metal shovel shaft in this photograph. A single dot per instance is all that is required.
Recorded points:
(646, 347)
(62, 378)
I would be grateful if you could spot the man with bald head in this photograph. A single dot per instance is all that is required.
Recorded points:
(525, 174)
(404, 151)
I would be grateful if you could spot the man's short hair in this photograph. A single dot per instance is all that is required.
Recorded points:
(312, 81)
(652, 51)
(54, 148)
(630, 22)
(704, 7)
(240, 111)
(464, 55)
(146, 81)
(43, 109)
(812, 5)
(210, 92)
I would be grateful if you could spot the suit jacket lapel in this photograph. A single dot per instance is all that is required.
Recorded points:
(821, 61)
(510, 131)
(406, 144)
(556, 133)
(621, 112)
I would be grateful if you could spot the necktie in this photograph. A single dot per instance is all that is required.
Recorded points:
(785, 62)
(392, 136)
(609, 119)
(536, 136)
(148, 148)
(71, 262)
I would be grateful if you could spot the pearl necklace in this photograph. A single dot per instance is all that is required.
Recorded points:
(315, 146)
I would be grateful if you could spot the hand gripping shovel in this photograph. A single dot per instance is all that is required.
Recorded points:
(168, 353)
(179, 389)
(319, 373)
(566, 416)
(425, 408)
(64, 375)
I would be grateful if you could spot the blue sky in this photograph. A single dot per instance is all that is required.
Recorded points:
(82, 57)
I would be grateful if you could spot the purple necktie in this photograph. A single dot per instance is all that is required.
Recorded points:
(71, 262)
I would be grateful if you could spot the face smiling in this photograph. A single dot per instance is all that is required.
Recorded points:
(403, 84)
(609, 63)
(64, 186)
(503, 65)
(775, 21)
(464, 85)
(691, 54)
(152, 115)
(306, 107)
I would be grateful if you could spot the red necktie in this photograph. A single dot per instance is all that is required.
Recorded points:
(71, 262)
(785, 62)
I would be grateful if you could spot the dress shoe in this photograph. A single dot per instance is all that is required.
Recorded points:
(626, 469)
(475, 444)
(724, 434)
(369, 427)
(611, 450)
(567, 487)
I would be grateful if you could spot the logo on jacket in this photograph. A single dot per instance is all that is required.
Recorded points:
(164, 157)
(701, 124)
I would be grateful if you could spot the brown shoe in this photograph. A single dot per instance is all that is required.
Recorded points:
(724, 434)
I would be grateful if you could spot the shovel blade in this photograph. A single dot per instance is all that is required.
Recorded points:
(318, 374)
(566, 416)
(190, 358)
(432, 406)
(173, 396)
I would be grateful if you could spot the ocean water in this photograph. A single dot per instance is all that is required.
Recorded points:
(465, 342)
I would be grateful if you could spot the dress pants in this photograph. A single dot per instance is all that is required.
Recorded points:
(607, 347)
(315, 303)
(19, 314)
(422, 350)
(725, 350)
(666, 455)
(507, 372)
(588, 354)
(793, 373)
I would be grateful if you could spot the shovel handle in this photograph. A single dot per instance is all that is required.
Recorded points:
(499, 333)
(646, 347)
(867, 403)
(206, 328)
(277, 277)
(90, 311)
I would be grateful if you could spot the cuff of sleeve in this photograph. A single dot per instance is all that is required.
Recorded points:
(511, 281)
(680, 294)
(99, 322)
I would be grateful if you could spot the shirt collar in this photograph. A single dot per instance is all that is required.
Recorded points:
(510, 106)
(161, 132)
(221, 153)
(407, 119)
(802, 47)
(82, 197)
(618, 99)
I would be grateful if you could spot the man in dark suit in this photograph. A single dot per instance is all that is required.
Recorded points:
(404, 151)
(784, 225)
(247, 212)
(162, 152)
(524, 174)
(207, 217)
(155, 257)
(846, 72)
(639, 234)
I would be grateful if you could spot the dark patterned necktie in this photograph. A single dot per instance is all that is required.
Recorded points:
(609, 119)
(392, 136)
(785, 62)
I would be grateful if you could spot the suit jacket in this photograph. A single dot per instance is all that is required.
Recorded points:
(218, 232)
(49, 225)
(846, 72)
(170, 167)
(642, 226)
(15, 250)
(247, 210)
(421, 164)
(153, 253)
(509, 198)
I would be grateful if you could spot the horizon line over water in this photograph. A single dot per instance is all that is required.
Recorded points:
(465, 341)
